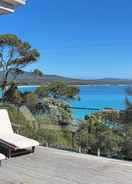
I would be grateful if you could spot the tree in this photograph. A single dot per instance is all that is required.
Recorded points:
(12, 95)
(72, 91)
(96, 136)
(126, 122)
(42, 91)
(126, 151)
(58, 111)
(37, 72)
(53, 101)
(126, 115)
(30, 100)
(15, 54)
(60, 89)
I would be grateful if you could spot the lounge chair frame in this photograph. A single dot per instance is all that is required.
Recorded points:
(19, 144)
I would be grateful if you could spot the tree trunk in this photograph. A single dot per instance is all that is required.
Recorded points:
(4, 87)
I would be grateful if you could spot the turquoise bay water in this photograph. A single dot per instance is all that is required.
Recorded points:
(100, 97)
(94, 97)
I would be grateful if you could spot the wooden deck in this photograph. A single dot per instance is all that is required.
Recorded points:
(51, 166)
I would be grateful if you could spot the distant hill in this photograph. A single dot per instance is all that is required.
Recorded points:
(28, 78)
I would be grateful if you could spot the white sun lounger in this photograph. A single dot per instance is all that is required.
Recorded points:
(10, 139)
(2, 157)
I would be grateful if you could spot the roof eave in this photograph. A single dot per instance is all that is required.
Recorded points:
(4, 10)
(15, 2)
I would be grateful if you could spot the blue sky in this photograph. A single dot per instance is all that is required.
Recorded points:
(77, 38)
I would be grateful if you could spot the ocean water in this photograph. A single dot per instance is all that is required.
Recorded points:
(99, 97)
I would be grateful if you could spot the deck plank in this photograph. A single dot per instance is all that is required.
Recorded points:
(51, 166)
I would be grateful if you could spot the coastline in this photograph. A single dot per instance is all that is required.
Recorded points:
(87, 85)
(103, 96)
(106, 85)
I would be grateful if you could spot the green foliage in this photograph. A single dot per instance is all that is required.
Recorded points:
(53, 137)
(95, 134)
(42, 91)
(126, 115)
(72, 91)
(19, 123)
(38, 73)
(53, 97)
(15, 54)
(56, 110)
(30, 100)
(60, 89)
(12, 95)
(126, 128)
(46, 136)
(127, 144)
(57, 89)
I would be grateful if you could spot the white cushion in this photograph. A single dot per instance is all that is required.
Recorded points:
(5, 124)
(18, 141)
(2, 157)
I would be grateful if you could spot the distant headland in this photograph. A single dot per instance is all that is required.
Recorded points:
(29, 78)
